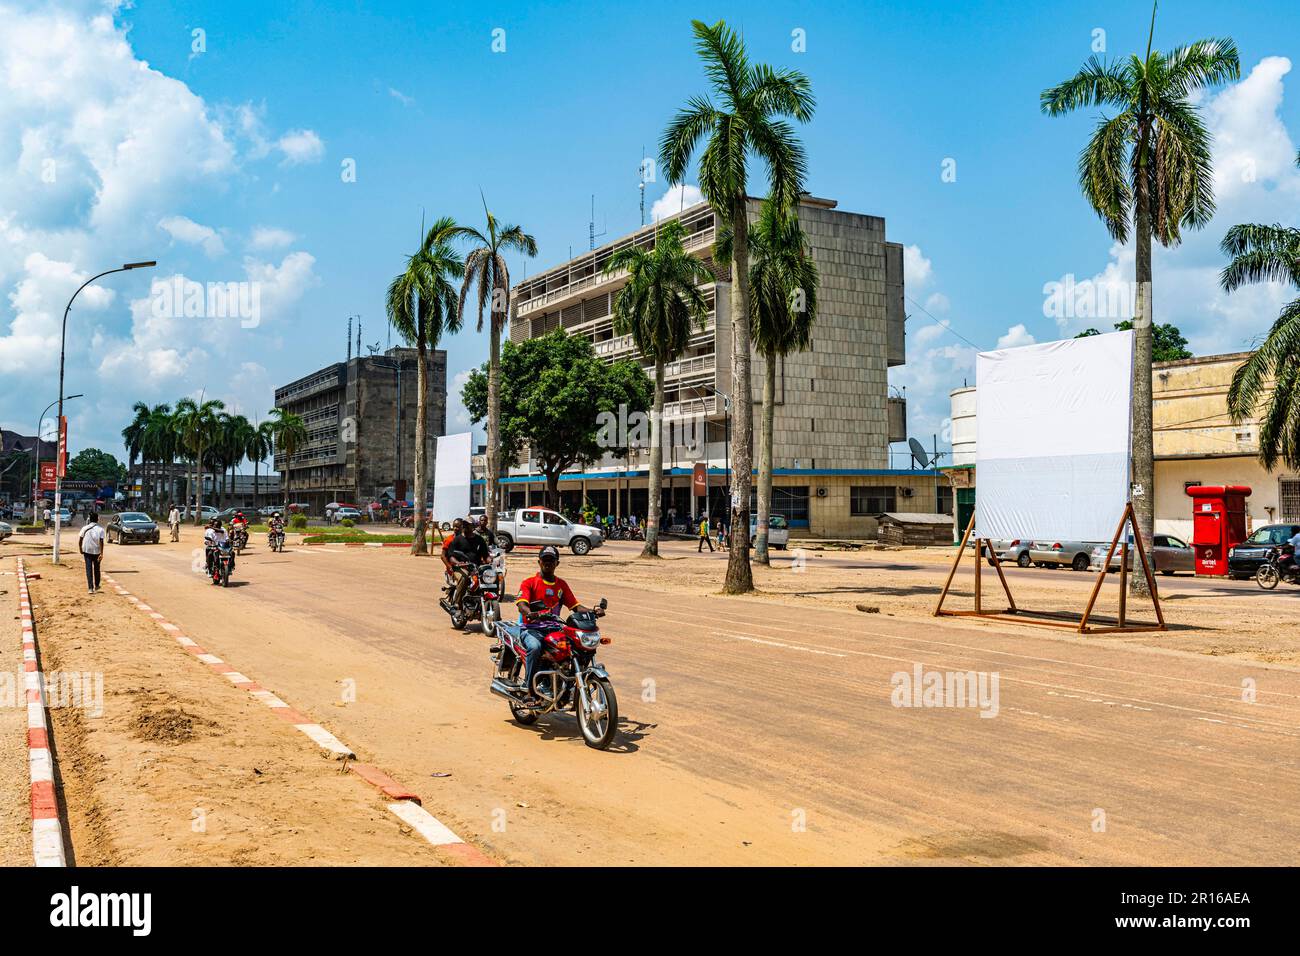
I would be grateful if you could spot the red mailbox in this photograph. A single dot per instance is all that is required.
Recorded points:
(1218, 524)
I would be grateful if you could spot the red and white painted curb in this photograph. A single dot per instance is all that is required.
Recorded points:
(406, 805)
(47, 828)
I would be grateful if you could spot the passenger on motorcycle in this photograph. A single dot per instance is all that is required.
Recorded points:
(449, 566)
(213, 538)
(545, 586)
(467, 552)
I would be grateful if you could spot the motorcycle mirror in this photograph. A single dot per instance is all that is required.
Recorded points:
(603, 604)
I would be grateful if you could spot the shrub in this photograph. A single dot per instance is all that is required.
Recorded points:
(347, 522)
(298, 522)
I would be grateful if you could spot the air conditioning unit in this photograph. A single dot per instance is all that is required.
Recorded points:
(821, 492)
(905, 492)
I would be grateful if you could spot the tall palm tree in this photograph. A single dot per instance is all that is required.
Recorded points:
(783, 282)
(749, 119)
(485, 267)
(656, 307)
(1269, 381)
(240, 434)
(422, 304)
(1149, 165)
(157, 447)
(196, 423)
(133, 434)
(259, 444)
(289, 433)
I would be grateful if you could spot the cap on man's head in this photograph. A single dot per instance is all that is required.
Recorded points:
(550, 551)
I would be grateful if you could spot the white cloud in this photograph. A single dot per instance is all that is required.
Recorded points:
(300, 146)
(1015, 337)
(916, 269)
(458, 419)
(676, 199)
(937, 302)
(283, 285)
(401, 97)
(183, 229)
(268, 237)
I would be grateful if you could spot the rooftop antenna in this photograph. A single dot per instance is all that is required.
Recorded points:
(349, 338)
(592, 234)
(373, 349)
(642, 186)
(358, 336)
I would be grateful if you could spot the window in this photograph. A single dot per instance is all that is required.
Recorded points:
(552, 518)
(867, 501)
(1289, 497)
(943, 499)
(532, 517)
(788, 503)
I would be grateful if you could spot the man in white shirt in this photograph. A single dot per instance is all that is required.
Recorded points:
(91, 544)
(46, 515)
(214, 537)
(174, 522)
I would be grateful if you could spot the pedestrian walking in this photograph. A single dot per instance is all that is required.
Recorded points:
(704, 536)
(174, 522)
(91, 544)
(722, 534)
(47, 519)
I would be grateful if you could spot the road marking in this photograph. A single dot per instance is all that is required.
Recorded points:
(424, 823)
(791, 647)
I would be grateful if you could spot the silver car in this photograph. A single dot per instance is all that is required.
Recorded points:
(1076, 555)
(1168, 555)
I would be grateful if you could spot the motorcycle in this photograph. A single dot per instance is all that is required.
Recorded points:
(221, 560)
(276, 540)
(482, 598)
(239, 537)
(1271, 572)
(568, 675)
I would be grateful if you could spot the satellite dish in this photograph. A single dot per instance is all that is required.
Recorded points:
(919, 456)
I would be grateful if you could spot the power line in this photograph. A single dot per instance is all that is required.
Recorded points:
(943, 325)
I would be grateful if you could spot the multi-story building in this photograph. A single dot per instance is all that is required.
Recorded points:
(833, 418)
(360, 418)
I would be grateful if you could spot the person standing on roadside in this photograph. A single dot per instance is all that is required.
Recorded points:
(91, 544)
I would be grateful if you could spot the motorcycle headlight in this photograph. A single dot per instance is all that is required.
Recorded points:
(590, 640)
(489, 576)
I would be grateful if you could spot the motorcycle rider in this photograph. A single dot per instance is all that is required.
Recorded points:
(214, 537)
(467, 551)
(553, 591)
(449, 566)
(275, 526)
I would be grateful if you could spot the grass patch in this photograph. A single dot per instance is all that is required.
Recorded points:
(344, 537)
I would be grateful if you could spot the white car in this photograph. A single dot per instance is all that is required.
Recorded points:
(6, 529)
(341, 513)
(544, 526)
(778, 531)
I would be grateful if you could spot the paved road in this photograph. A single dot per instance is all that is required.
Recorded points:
(764, 733)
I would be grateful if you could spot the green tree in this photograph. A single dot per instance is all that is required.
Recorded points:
(748, 121)
(1167, 341)
(422, 304)
(133, 434)
(91, 464)
(197, 426)
(486, 269)
(553, 393)
(657, 307)
(1268, 381)
(1148, 165)
(289, 433)
(260, 441)
(783, 281)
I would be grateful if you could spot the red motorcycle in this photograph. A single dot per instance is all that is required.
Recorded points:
(568, 676)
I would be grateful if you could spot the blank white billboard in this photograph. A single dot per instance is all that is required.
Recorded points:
(1053, 425)
(451, 476)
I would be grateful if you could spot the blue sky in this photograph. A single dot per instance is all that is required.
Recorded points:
(225, 165)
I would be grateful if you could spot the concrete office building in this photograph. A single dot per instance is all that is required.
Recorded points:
(834, 419)
(360, 418)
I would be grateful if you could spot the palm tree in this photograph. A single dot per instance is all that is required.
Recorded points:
(157, 446)
(1270, 378)
(240, 434)
(1150, 164)
(656, 307)
(422, 304)
(753, 101)
(133, 434)
(289, 433)
(485, 266)
(259, 443)
(196, 423)
(783, 284)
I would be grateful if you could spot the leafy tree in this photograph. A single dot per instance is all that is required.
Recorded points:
(196, 424)
(1150, 165)
(91, 464)
(290, 433)
(657, 307)
(553, 391)
(1167, 342)
(748, 120)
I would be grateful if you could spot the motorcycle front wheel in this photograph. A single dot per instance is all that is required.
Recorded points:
(1266, 577)
(600, 724)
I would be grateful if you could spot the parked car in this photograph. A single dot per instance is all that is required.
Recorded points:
(778, 531)
(1076, 555)
(1168, 555)
(1244, 560)
(132, 526)
(6, 529)
(65, 517)
(347, 511)
(206, 514)
(544, 526)
(1008, 550)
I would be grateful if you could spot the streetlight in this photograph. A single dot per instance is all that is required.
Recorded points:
(36, 447)
(63, 342)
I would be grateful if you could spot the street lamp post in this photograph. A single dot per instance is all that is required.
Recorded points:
(63, 342)
(36, 448)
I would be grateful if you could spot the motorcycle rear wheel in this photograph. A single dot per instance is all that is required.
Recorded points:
(599, 733)
(1266, 577)
(523, 715)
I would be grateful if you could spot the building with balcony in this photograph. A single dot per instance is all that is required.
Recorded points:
(360, 419)
(834, 418)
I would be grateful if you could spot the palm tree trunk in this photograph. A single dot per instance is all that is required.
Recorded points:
(656, 491)
(418, 545)
(1143, 489)
(493, 422)
(198, 487)
(255, 463)
(740, 577)
(765, 461)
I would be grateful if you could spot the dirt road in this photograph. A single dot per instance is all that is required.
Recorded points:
(761, 730)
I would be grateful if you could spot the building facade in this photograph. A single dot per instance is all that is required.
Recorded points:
(360, 417)
(833, 419)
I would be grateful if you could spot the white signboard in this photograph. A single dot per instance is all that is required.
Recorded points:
(451, 477)
(1053, 425)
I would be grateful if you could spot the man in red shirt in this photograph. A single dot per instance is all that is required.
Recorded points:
(553, 592)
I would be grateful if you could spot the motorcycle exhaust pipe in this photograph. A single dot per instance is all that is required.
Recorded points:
(502, 689)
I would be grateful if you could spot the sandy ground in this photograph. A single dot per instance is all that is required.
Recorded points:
(15, 779)
(761, 729)
(178, 768)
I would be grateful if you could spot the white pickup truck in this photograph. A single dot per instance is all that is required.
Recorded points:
(541, 526)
